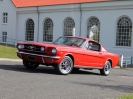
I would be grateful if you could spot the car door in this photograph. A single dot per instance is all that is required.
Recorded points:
(92, 54)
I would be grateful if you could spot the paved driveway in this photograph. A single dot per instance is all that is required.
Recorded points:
(16, 82)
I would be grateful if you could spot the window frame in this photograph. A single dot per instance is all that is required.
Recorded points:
(130, 27)
(4, 36)
(99, 49)
(94, 24)
(27, 35)
(5, 17)
(45, 31)
(69, 30)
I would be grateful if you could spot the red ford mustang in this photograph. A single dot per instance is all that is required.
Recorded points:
(67, 53)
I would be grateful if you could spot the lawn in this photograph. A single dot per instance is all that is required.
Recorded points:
(130, 96)
(8, 52)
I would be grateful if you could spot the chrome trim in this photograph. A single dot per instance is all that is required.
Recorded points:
(31, 50)
(55, 57)
(91, 67)
(20, 55)
(43, 60)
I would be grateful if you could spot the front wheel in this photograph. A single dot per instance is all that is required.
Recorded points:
(106, 69)
(65, 66)
(30, 65)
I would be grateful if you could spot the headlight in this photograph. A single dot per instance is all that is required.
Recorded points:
(42, 49)
(53, 51)
(20, 46)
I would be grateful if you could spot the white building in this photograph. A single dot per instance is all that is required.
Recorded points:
(109, 22)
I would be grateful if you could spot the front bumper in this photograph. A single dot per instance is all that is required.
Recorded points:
(44, 59)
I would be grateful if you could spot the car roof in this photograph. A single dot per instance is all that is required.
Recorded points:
(78, 37)
(87, 39)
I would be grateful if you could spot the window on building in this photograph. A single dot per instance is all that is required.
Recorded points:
(93, 29)
(48, 31)
(4, 36)
(30, 30)
(124, 32)
(69, 27)
(5, 17)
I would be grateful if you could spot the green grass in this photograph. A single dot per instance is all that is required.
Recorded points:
(8, 52)
(129, 96)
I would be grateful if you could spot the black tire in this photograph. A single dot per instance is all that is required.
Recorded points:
(30, 65)
(65, 67)
(75, 69)
(106, 69)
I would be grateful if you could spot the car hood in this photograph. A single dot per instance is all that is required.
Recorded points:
(48, 45)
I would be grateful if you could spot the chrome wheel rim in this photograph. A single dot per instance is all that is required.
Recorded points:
(107, 68)
(65, 66)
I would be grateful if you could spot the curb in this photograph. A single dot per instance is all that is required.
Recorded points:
(117, 67)
(14, 60)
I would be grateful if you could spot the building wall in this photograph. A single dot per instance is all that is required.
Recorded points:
(58, 20)
(58, 16)
(108, 25)
(10, 27)
(108, 14)
(21, 27)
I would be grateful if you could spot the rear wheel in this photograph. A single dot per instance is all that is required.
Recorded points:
(30, 65)
(106, 69)
(65, 66)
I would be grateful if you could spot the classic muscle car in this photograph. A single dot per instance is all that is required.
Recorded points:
(67, 53)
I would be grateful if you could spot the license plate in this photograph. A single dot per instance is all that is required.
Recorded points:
(31, 57)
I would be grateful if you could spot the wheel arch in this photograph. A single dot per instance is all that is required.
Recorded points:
(110, 61)
(71, 56)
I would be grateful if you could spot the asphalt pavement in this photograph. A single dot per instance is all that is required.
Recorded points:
(17, 82)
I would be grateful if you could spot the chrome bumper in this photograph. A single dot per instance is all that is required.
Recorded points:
(54, 57)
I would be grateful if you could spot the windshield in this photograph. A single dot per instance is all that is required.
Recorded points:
(70, 41)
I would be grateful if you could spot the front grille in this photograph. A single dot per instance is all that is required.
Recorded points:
(32, 48)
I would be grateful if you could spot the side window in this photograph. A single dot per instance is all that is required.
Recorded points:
(86, 46)
(94, 46)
